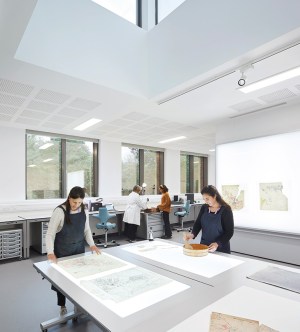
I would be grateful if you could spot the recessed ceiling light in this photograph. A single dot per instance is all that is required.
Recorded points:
(45, 146)
(271, 80)
(172, 139)
(87, 124)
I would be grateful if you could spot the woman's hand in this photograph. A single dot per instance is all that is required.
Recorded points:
(213, 247)
(188, 236)
(52, 258)
(95, 249)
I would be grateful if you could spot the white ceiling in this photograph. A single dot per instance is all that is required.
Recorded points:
(39, 99)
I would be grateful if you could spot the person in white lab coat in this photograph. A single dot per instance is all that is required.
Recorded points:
(132, 213)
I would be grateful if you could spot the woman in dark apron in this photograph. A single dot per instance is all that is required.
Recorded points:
(68, 230)
(215, 219)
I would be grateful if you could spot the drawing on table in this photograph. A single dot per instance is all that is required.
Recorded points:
(88, 265)
(227, 323)
(123, 285)
(154, 246)
(234, 196)
(272, 197)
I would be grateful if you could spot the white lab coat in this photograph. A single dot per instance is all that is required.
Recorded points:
(133, 209)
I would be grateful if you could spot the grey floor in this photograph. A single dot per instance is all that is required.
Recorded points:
(27, 300)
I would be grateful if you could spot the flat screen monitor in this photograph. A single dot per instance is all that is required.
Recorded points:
(190, 197)
(95, 206)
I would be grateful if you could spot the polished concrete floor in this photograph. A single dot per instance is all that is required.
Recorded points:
(27, 300)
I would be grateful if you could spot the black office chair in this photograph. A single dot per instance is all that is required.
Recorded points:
(183, 212)
(104, 216)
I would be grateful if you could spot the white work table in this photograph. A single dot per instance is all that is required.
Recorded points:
(226, 290)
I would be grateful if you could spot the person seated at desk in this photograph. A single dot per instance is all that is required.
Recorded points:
(215, 219)
(67, 231)
(132, 215)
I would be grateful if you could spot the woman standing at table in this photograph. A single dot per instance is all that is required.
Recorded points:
(68, 230)
(215, 219)
(165, 208)
(132, 215)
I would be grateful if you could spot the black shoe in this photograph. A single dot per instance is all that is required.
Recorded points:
(165, 237)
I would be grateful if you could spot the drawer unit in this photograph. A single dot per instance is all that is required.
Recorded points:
(38, 235)
(11, 244)
(153, 220)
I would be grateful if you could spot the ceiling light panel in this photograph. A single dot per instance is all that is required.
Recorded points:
(87, 124)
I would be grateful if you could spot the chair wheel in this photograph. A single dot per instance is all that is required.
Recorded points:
(177, 230)
(75, 319)
(113, 241)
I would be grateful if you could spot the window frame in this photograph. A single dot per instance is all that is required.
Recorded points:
(63, 160)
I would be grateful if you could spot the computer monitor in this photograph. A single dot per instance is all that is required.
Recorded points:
(95, 206)
(190, 197)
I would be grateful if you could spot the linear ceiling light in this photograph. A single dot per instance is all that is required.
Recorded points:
(87, 124)
(271, 80)
(172, 139)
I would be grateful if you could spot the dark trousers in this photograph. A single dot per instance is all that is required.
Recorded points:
(131, 231)
(61, 299)
(168, 231)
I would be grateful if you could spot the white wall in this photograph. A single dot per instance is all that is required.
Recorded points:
(110, 169)
(230, 35)
(84, 40)
(12, 165)
(172, 170)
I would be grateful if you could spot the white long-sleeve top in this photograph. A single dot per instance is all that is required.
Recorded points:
(133, 209)
(56, 224)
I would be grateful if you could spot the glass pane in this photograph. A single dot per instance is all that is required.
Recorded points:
(79, 165)
(130, 169)
(43, 167)
(124, 8)
(197, 174)
(165, 7)
(151, 171)
(184, 178)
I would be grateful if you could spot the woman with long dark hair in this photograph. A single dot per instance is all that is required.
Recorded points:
(68, 230)
(215, 219)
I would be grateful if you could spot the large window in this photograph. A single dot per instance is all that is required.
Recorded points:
(141, 166)
(193, 173)
(57, 163)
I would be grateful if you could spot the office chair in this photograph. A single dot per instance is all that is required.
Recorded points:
(184, 211)
(104, 216)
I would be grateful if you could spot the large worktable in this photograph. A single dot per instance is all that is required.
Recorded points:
(216, 282)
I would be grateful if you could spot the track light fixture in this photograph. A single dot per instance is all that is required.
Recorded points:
(242, 80)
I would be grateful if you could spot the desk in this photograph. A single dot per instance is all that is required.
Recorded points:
(227, 292)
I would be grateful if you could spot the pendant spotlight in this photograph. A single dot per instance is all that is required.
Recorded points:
(242, 80)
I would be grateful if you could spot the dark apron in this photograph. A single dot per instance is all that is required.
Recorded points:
(212, 230)
(70, 240)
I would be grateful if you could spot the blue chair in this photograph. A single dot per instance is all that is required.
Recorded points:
(104, 216)
(183, 212)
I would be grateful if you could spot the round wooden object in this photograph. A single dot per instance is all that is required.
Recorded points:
(197, 251)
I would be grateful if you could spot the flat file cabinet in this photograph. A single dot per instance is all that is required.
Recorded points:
(38, 235)
(11, 244)
(153, 220)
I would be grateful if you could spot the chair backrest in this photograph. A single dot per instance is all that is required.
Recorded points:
(187, 206)
(103, 215)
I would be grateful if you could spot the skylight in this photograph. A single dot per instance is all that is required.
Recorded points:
(123, 8)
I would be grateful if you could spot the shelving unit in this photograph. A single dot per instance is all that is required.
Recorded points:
(11, 244)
